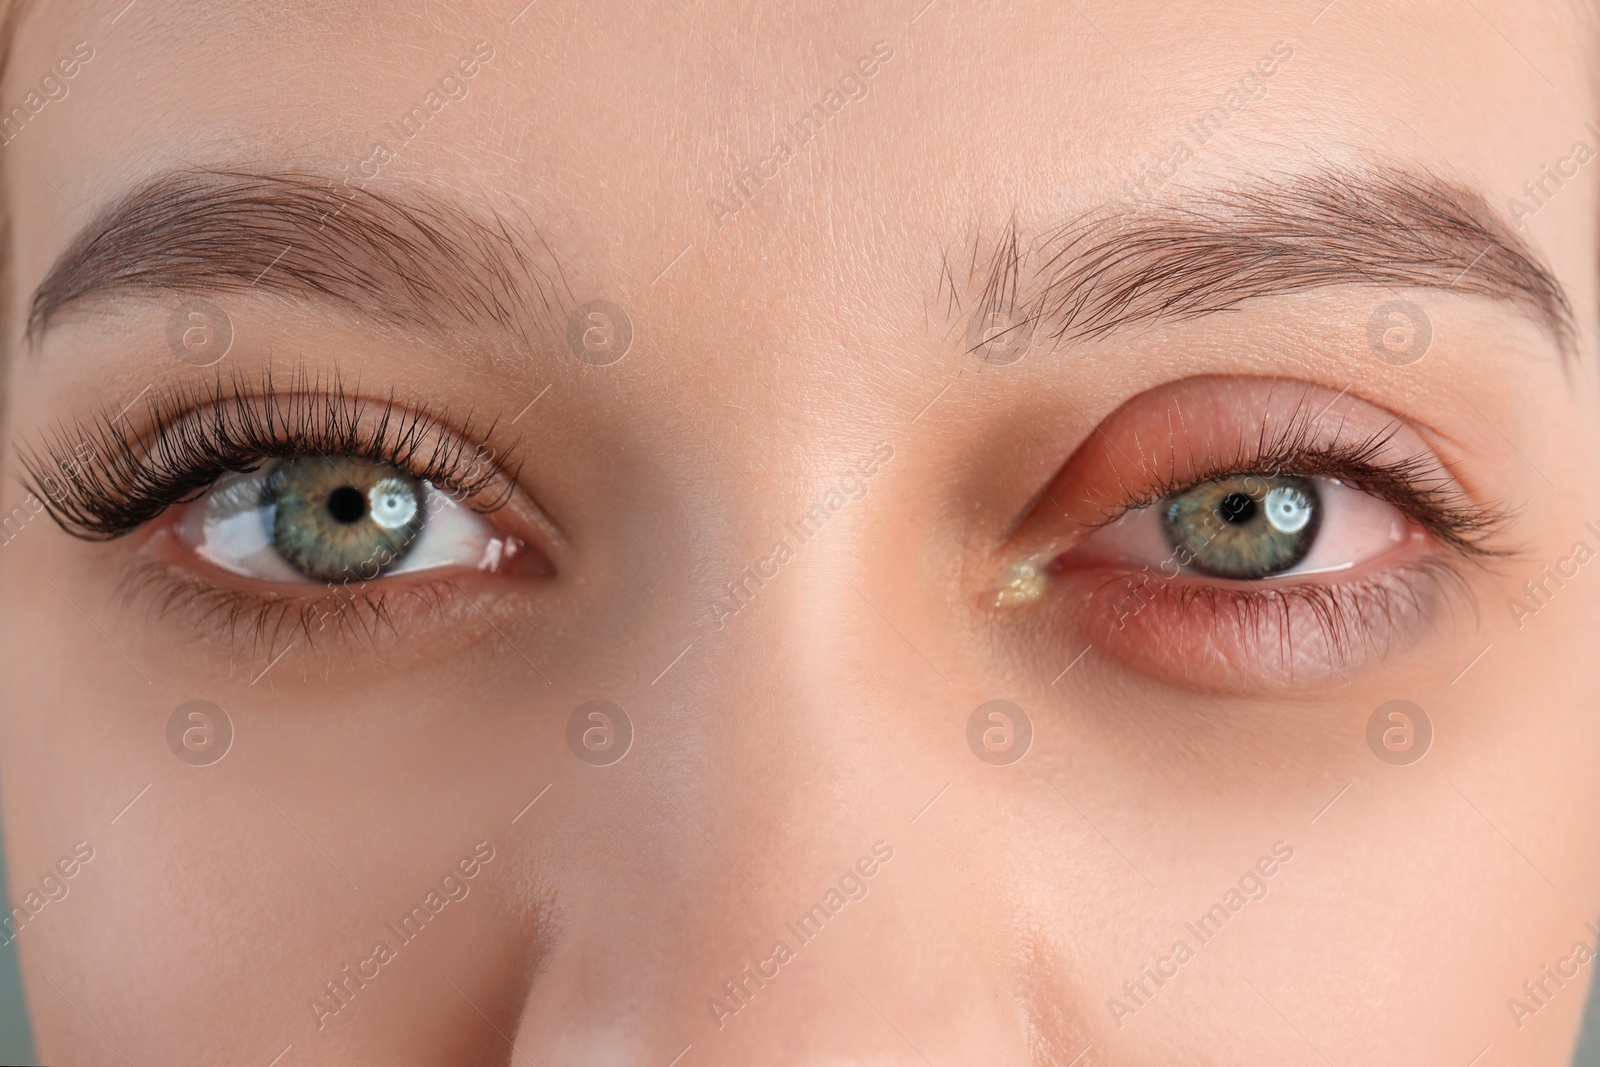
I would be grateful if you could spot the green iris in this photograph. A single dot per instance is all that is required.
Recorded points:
(1246, 526)
(350, 518)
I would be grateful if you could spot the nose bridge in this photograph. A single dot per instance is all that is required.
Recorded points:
(804, 536)
(801, 918)
(786, 638)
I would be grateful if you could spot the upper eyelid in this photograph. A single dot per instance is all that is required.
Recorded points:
(128, 486)
(1442, 506)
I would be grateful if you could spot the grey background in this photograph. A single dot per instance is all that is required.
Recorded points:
(16, 1046)
(1588, 1054)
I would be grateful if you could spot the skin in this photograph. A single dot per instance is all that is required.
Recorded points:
(770, 754)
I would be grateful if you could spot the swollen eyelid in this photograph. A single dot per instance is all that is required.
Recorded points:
(1225, 534)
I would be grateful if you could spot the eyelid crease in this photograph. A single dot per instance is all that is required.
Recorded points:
(194, 435)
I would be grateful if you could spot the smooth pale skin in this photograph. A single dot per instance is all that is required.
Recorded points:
(826, 715)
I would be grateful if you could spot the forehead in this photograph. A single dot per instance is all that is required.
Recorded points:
(798, 159)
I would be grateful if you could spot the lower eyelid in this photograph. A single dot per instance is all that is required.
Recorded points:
(1371, 582)
(252, 622)
(1236, 637)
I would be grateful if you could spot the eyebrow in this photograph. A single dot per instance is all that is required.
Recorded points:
(1208, 251)
(413, 258)
(423, 260)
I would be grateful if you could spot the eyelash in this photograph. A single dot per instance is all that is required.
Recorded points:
(332, 614)
(194, 436)
(1334, 619)
(1417, 485)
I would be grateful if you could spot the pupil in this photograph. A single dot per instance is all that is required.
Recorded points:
(346, 504)
(1237, 508)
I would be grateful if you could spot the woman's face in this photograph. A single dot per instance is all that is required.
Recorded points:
(688, 534)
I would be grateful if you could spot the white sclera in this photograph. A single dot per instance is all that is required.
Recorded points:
(231, 528)
(1355, 528)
